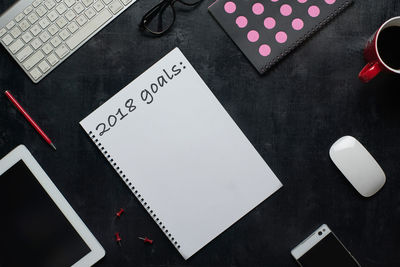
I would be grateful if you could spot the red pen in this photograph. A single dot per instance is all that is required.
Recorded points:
(31, 121)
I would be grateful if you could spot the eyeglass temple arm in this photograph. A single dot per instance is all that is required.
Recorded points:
(158, 9)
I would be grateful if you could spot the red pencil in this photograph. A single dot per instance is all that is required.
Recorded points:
(31, 121)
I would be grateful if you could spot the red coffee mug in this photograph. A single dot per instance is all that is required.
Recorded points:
(371, 54)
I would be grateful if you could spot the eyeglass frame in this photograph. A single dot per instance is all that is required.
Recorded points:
(159, 9)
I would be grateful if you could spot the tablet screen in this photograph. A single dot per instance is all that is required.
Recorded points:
(34, 232)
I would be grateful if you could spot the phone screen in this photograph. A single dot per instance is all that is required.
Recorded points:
(328, 252)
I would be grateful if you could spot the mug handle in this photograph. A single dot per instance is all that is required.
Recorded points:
(370, 71)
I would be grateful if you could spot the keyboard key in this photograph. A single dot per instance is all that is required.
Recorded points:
(53, 29)
(47, 48)
(16, 46)
(115, 6)
(107, 1)
(19, 17)
(79, 8)
(69, 3)
(10, 25)
(73, 27)
(62, 51)
(87, 2)
(33, 60)
(44, 36)
(49, 4)
(36, 43)
(27, 37)
(7, 39)
(53, 15)
(125, 2)
(41, 11)
(15, 32)
(44, 23)
(90, 13)
(81, 20)
(87, 30)
(33, 17)
(2, 31)
(24, 25)
(56, 41)
(44, 66)
(98, 6)
(61, 8)
(64, 34)
(24, 53)
(52, 59)
(36, 74)
(36, 3)
(61, 22)
(35, 30)
(70, 15)
(28, 10)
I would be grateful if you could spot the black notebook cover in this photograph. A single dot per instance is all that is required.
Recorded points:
(267, 30)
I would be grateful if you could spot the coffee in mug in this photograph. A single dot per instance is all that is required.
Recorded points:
(382, 51)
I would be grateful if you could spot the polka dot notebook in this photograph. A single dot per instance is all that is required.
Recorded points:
(267, 30)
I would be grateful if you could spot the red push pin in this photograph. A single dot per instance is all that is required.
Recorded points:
(118, 239)
(146, 240)
(119, 213)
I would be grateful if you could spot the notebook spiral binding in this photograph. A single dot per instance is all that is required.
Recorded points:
(134, 191)
(307, 35)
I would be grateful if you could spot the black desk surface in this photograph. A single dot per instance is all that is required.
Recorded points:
(292, 115)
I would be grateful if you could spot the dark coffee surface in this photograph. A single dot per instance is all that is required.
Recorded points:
(292, 115)
(389, 46)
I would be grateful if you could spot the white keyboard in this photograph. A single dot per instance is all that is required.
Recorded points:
(46, 32)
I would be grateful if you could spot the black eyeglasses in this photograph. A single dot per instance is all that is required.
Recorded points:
(161, 17)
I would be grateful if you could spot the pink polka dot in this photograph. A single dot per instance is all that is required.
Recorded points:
(330, 2)
(281, 37)
(264, 50)
(241, 21)
(286, 10)
(297, 24)
(313, 11)
(269, 23)
(253, 36)
(258, 8)
(274, 0)
(302, 1)
(230, 7)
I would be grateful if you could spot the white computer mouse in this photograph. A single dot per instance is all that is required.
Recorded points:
(357, 165)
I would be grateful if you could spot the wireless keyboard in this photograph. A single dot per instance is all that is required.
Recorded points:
(41, 34)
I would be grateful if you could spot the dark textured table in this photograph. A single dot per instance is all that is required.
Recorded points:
(292, 115)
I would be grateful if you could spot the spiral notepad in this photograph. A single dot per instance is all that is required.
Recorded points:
(268, 30)
(180, 153)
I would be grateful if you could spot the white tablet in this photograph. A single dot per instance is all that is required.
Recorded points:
(38, 227)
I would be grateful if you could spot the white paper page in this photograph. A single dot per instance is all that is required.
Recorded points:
(189, 163)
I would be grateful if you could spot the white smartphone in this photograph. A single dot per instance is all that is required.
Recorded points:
(323, 248)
